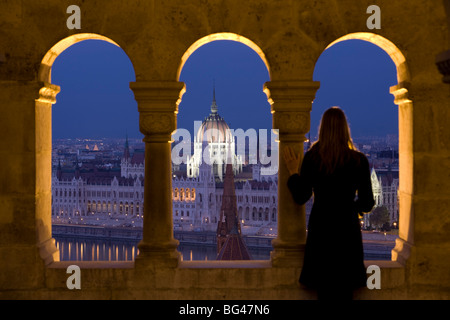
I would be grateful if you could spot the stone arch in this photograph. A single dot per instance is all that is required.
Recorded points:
(161, 31)
(390, 48)
(405, 129)
(221, 36)
(43, 131)
(45, 70)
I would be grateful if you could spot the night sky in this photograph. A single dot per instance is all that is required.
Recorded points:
(95, 99)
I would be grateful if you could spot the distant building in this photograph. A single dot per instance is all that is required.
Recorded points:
(215, 135)
(88, 190)
(385, 184)
(230, 245)
(132, 166)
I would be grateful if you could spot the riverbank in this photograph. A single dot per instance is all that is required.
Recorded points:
(377, 246)
(135, 234)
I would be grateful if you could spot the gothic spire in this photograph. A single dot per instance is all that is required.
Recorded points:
(228, 223)
(230, 245)
(126, 153)
(214, 107)
(59, 170)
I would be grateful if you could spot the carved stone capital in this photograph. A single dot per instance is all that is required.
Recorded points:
(158, 106)
(158, 95)
(157, 126)
(291, 123)
(291, 95)
(291, 103)
(400, 93)
(48, 93)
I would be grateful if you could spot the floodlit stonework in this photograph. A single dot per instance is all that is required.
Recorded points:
(158, 37)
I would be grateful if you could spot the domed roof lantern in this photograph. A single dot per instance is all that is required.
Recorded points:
(214, 128)
(214, 107)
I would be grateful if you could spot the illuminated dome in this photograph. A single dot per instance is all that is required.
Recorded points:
(214, 128)
(215, 136)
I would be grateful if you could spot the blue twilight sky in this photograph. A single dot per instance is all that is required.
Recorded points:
(95, 99)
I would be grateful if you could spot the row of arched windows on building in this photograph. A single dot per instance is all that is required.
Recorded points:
(59, 192)
(184, 194)
(114, 207)
(67, 193)
(258, 214)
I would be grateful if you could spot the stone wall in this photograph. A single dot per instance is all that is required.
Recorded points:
(158, 37)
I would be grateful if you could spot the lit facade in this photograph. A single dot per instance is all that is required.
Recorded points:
(215, 135)
(290, 40)
(385, 184)
(119, 194)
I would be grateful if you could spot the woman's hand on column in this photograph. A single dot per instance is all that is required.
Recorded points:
(291, 159)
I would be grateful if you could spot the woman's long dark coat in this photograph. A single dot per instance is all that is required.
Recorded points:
(334, 256)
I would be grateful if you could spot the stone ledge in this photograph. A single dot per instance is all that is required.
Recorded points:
(92, 264)
(197, 275)
(384, 264)
(256, 264)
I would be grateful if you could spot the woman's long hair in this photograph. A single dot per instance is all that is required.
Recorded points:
(335, 143)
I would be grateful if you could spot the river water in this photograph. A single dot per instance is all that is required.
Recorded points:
(75, 249)
(82, 249)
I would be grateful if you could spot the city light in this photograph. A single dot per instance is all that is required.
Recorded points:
(195, 207)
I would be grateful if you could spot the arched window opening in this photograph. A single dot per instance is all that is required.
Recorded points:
(182, 194)
(357, 75)
(93, 75)
(224, 92)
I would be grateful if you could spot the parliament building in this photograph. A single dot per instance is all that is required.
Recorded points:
(89, 195)
(159, 37)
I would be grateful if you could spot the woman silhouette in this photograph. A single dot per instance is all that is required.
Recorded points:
(339, 177)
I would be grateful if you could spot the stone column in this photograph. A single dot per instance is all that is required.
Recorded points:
(405, 240)
(291, 103)
(43, 194)
(158, 107)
